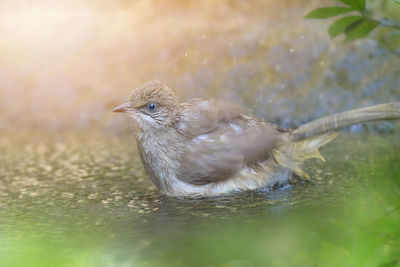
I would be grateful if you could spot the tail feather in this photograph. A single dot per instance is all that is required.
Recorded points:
(387, 111)
(291, 155)
(303, 143)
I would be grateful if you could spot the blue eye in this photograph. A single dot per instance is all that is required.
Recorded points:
(152, 106)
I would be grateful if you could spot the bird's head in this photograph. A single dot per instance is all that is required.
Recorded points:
(152, 105)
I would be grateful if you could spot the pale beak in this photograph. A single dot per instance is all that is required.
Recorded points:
(122, 108)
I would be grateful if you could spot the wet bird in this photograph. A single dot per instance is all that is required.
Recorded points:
(206, 148)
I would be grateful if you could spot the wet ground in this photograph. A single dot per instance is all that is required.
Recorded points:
(73, 191)
(83, 199)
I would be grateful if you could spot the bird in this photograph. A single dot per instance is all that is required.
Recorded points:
(208, 148)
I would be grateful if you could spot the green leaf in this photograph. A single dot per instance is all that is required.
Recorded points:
(326, 12)
(339, 26)
(360, 29)
(356, 4)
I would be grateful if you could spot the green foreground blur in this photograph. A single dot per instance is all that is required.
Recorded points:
(95, 207)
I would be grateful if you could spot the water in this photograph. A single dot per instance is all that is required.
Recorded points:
(73, 191)
(83, 199)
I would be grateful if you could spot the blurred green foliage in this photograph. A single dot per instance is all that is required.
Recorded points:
(364, 23)
(84, 200)
(104, 214)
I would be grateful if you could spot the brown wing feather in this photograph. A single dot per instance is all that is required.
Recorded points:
(221, 141)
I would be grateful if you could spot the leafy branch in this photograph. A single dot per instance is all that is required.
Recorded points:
(353, 26)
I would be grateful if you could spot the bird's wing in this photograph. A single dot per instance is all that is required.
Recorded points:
(221, 140)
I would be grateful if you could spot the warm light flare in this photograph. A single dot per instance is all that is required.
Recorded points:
(68, 63)
(43, 25)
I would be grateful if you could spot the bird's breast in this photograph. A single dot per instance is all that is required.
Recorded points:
(160, 155)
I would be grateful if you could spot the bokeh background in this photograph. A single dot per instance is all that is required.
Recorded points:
(66, 64)
(73, 191)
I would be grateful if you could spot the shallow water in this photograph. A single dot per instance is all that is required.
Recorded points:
(83, 199)
(80, 197)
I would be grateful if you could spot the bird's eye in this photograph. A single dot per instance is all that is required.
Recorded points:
(152, 107)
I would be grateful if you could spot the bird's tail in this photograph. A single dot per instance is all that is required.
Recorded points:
(303, 143)
(387, 111)
(291, 155)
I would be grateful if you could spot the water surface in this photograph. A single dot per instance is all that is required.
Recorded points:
(83, 199)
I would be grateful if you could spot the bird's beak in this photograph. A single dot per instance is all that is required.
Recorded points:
(122, 108)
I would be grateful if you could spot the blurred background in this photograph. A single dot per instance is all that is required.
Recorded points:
(66, 64)
(73, 191)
